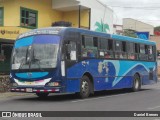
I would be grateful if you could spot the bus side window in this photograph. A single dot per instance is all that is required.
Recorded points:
(143, 52)
(110, 45)
(150, 53)
(103, 53)
(137, 50)
(89, 46)
(110, 48)
(124, 50)
(131, 51)
(71, 51)
(118, 49)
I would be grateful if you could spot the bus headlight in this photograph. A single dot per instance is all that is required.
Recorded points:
(53, 84)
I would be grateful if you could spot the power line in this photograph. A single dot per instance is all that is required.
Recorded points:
(130, 7)
(149, 20)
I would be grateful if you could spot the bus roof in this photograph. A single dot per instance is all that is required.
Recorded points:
(131, 39)
(59, 30)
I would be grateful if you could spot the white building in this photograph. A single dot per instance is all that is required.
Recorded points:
(118, 29)
(129, 23)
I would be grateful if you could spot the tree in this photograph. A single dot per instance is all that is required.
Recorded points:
(130, 33)
(101, 27)
(157, 28)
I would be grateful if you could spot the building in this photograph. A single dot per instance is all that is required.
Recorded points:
(18, 16)
(118, 29)
(157, 40)
(132, 24)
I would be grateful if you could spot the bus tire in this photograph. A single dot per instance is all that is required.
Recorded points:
(42, 95)
(136, 83)
(85, 87)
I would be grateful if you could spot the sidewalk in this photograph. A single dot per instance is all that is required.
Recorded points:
(12, 94)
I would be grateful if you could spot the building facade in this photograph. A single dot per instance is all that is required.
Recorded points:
(19, 16)
(132, 24)
(117, 29)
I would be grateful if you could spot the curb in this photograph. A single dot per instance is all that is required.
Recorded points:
(12, 94)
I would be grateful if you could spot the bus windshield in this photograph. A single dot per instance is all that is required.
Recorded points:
(38, 52)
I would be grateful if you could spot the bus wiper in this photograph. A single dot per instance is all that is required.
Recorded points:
(24, 60)
(37, 61)
(22, 63)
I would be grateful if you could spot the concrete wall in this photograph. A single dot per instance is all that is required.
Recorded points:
(73, 17)
(99, 12)
(46, 15)
(157, 40)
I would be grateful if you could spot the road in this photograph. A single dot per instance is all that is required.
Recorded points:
(148, 99)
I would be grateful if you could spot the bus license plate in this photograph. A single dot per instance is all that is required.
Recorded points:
(29, 90)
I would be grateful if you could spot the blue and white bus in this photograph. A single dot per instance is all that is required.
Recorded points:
(73, 60)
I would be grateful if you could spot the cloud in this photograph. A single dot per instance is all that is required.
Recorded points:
(143, 10)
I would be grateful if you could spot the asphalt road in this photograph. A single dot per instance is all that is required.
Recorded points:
(148, 99)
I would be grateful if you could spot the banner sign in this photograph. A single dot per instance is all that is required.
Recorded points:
(143, 35)
(31, 114)
(11, 32)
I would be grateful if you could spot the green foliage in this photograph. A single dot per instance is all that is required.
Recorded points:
(157, 28)
(101, 27)
(130, 33)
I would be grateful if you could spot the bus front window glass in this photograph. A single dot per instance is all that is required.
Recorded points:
(40, 52)
(46, 58)
(19, 59)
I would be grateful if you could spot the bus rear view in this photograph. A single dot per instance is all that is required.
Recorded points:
(34, 63)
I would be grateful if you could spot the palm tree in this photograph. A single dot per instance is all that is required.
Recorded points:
(101, 27)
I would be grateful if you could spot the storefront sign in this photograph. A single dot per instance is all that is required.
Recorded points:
(143, 35)
(11, 32)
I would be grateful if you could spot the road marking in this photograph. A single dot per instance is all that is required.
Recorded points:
(154, 108)
(104, 97)
(97, 98)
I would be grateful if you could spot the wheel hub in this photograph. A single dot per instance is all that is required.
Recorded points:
(136, 83)
(85, 87)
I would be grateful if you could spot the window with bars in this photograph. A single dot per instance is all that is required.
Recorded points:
(29, 18)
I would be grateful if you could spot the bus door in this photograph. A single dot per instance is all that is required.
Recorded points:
(71, 60)
(71, 53)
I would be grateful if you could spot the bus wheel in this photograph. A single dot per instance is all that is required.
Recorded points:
(85, 87)
(42, 95)
(136, 83)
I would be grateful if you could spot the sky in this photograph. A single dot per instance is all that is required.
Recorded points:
(147, 11)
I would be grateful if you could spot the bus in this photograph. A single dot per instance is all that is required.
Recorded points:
(73, 60)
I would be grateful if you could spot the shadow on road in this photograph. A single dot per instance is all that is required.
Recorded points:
(71, 97)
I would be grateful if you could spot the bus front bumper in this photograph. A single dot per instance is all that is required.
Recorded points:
(36, 89)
